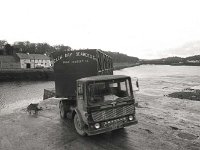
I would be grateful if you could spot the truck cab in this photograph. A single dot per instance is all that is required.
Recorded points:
(103, 103)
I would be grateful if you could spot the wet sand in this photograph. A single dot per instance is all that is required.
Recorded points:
(164, 123)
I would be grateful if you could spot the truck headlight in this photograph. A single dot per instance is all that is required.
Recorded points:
(97, 125)
(130, 117)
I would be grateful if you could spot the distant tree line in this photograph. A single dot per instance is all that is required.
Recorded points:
(2, 43)
(33, 48)
(122, 58)
(39, 48)
(6, 49)
(192, 60)
(45, 48)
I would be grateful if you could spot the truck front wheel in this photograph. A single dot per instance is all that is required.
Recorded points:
(78, 125)
(63, 112)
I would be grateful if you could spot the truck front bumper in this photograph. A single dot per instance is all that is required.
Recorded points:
(110, 128)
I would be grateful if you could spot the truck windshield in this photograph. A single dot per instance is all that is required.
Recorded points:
(108, 91)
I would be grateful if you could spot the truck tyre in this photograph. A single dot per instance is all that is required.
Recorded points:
(63, 112)
(78, 125)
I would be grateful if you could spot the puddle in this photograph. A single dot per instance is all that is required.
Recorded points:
(187, 136)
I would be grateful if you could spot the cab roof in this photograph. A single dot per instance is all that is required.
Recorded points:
(102, 78)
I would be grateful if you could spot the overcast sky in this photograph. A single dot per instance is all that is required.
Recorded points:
(143, 28)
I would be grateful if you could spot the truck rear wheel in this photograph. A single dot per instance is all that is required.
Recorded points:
(78, 125)
(63, 112)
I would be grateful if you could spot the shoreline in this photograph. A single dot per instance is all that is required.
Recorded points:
(172, 64)
(119, 66)
(7, 75)
(42, 74)
(26, 75)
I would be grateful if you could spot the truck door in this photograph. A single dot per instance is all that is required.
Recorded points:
(80, 98)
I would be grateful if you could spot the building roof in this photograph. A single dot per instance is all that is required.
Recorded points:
(7, 58)
(32, 56)
(103, 78)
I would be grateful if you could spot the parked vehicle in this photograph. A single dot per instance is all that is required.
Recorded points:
(90, 94)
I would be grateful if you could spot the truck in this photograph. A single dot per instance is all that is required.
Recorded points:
(90, 95)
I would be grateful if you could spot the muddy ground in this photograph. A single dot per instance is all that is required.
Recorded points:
(164, 124)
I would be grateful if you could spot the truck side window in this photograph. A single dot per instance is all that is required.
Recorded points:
(124, 89)
(80, 89)
(80, 92)
(128, 87)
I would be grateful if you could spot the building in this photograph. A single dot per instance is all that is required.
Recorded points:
(33, 60)
(9, 62)
(22, 60)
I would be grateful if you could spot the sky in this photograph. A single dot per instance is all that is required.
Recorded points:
(147, 29)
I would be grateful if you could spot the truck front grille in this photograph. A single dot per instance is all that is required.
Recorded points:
(112, 113)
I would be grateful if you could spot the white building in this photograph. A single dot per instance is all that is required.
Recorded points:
(34, 60)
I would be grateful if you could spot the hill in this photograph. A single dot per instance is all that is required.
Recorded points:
(191, 60)
(122, 58)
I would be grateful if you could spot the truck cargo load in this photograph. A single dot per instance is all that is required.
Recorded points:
(72, 65)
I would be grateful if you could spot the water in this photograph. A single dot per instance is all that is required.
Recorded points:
(15, 95)
(153, 80)
(158, 80)
(152, 71)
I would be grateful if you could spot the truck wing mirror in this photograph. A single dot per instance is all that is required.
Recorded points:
(136, 84)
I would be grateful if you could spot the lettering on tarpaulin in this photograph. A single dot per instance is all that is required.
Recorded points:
(66, 62)
(68, 55)
(80, 61)
(76, 61)
(84, 54)
(58, 58)
(76, 54)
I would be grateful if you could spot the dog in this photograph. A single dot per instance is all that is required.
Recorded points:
(33, 107)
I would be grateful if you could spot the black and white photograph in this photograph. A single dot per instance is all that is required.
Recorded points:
(100, 75)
